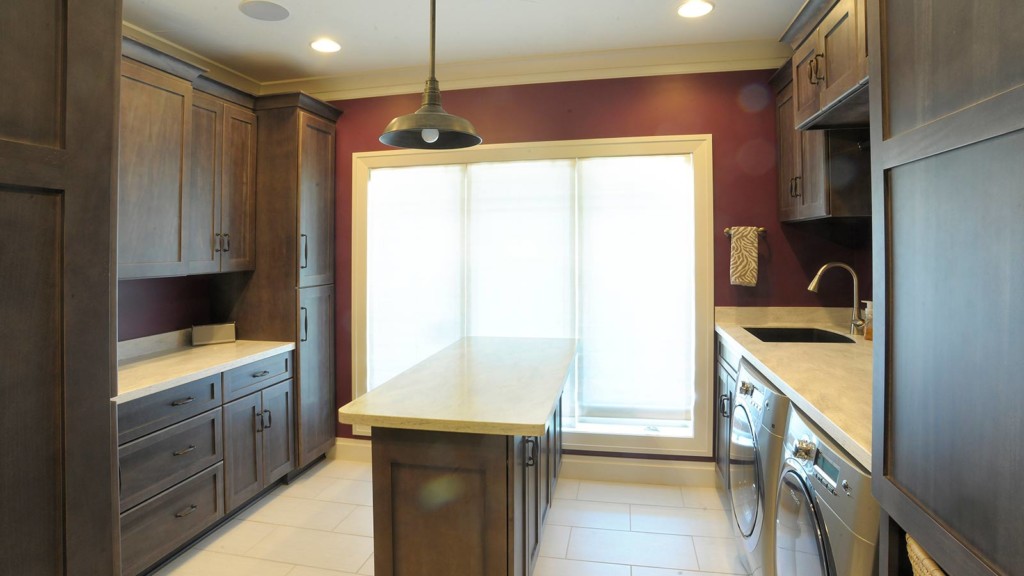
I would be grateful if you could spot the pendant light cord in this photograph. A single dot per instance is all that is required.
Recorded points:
(433, 25)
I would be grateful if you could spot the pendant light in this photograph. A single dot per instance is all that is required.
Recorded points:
(430, 127)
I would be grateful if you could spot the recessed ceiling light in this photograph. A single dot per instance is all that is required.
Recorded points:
(695, 8)
(263, 10)
(325, 45)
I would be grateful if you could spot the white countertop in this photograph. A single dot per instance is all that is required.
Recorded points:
(159, 371)
(503, 386)
(830, 383)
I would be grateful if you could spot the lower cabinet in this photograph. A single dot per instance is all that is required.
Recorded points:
(725, 384)
(259, 439)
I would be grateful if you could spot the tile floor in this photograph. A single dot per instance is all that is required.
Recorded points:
(322, 525)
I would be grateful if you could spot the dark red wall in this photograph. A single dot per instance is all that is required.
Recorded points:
(158, 305)
(736, 108)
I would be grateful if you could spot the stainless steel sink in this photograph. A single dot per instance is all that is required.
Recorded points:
(786, 334)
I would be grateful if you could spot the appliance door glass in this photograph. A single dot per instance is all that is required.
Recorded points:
(744, 485)
(799, 539)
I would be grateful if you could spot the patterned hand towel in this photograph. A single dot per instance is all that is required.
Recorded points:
(743, 256)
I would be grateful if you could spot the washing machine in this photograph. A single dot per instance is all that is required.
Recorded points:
(755, 454)
(827, 519)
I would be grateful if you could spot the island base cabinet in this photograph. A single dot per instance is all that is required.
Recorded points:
(456, 503)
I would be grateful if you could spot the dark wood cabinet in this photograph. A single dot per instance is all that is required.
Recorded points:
(153, 172)
(822, 173)
(316, 201)
(222, 192)
(258, 442)
(315, 352)
(58, 163)
(726, 367)
(947, 136)
(830, 68)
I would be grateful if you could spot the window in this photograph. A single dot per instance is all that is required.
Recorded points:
(605, 241)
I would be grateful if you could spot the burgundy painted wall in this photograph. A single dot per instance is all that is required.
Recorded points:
(736, 108)
(158, 305)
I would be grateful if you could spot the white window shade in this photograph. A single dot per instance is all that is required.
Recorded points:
(636, 267)
(414, 266)
(520, 249)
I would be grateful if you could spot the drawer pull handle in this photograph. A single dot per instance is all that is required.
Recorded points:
(261, 374)
(531, 452)
(305, 251)
(186, 511)
(184, 451)
(227, 242)
(270, 419)
(183, 401)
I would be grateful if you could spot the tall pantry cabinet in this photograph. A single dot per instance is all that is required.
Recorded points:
(290, 296)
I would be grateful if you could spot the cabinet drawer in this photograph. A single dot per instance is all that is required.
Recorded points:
(256, 376)
(139, 417)
(162, 459)
(157, 527)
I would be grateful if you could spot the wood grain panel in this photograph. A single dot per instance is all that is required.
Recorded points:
(205, 185)
(955, 328)
(439, 503)
(316, 386)
(238, 192)
(31, 383)
(153, 176)
(788, 159)
(946, 55)
(279, 431)
(243, 450)
(840, 38)
(316, 201)
(806, 85)
(32, 72)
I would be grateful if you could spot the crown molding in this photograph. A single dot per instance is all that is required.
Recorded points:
(657, 61)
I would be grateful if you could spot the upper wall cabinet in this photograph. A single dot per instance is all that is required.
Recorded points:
(830, 70)
(222, 199)
(153, 175)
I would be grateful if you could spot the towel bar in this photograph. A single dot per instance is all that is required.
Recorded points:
(760, 232)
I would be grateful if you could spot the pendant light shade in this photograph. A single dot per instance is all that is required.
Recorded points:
(430, 127)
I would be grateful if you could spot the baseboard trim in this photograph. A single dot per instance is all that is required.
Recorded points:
(594, 468)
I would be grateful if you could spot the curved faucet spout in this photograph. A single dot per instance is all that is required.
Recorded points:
(855, 322)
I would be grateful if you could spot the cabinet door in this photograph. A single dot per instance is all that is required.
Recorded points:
(544, 462)
(316, 201)
(725, 384)
(278, 435)
(243, 450)
(810, 186)
(531, 500)
(840, 40)
(153, 172)
(806, 80)
(204, 185)
(238, 190)
(788, 153)
(315, 390)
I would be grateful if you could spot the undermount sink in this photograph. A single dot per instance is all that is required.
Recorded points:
(797, 335)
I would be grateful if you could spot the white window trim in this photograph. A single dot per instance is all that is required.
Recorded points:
(697, 145)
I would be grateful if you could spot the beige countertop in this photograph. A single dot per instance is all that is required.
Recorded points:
(503, 386)
(165, 369)
(830, 383)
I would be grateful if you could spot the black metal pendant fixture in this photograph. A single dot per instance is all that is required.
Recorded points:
(430, 127)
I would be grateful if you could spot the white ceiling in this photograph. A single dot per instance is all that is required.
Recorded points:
(378, 36)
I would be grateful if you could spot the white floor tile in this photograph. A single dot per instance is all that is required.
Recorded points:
(206, 563)
(367, 567)
(306, 486)
(718, 555)
(304, 547)
(307, 571)
(359, 522)
(235, 537)
(648, 494)
(558, 567)
(347, 491)
(683, 521)
(589, 514)
(635, 548)
(567, 489)
(555, 541)
(705, 497)
(344, 469)
(645, 571)
(299, 512)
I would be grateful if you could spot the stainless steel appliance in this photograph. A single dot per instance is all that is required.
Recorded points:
(755, 455)
(827, 519)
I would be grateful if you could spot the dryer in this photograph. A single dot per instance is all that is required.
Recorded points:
(826, 517)
(755, 454)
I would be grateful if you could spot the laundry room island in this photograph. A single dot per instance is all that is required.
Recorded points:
(466, 451)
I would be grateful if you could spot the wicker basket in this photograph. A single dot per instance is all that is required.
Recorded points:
(920, 560)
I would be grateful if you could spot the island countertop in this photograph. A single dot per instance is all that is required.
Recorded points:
(502, 386)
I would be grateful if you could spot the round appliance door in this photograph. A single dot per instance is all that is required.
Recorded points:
(744, 473)
(799, 537)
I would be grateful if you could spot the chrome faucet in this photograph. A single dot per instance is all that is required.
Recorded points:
(856, 324)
